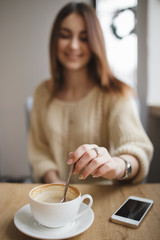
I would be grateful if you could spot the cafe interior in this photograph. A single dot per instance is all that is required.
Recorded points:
(131, 32)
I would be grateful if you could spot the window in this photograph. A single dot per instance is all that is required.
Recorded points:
(118, 21)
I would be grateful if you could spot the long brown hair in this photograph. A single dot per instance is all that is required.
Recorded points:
(98, 65)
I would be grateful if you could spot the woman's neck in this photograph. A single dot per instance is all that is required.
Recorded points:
(77, 85)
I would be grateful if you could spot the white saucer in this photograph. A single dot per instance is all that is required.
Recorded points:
(26, 224)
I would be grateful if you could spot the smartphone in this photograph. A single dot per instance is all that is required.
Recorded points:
(132, 211)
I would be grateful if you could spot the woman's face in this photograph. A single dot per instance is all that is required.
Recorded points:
(72, 47)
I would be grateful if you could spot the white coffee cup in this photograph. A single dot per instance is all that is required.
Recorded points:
(49, 211)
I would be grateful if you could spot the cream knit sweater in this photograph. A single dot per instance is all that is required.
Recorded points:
(99, 118)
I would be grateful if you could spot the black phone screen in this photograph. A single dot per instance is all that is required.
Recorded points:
(133, 209)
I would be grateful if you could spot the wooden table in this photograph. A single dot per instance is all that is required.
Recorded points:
(106, 200)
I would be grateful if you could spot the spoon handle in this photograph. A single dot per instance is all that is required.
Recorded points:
(67, 182)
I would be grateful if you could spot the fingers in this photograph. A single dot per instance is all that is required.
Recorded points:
(90, 159)
(107, 170)
(85, 161)
(92, 167)
(80, 151)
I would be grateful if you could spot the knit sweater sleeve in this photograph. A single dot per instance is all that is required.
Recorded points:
(127, 135)
(40, 155)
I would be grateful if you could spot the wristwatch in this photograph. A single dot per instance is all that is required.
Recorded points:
(128, 170)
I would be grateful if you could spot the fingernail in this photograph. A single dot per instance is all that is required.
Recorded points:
(70, 161)
(74, 171)
(94, 176)
(81, 177)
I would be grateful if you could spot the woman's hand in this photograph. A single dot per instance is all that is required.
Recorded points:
(91, 159)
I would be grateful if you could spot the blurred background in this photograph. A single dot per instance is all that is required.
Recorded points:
(132, 36)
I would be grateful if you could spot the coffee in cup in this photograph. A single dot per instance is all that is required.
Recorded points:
(47, 209)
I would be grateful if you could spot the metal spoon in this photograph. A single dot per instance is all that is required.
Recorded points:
(67, 183)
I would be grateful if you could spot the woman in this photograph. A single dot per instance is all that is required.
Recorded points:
(83, 111)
